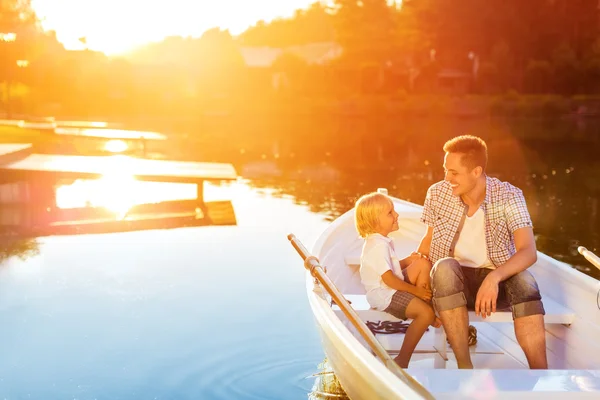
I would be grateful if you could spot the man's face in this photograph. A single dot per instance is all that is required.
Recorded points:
(461, 178)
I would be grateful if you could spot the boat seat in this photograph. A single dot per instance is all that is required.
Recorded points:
(555, 314)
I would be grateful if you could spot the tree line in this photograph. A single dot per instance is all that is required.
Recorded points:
(494, 46)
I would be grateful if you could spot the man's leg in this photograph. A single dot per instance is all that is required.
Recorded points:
(447, 282)
(528, 312)
(531, 336)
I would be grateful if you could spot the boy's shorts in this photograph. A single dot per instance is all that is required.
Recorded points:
(400, 301)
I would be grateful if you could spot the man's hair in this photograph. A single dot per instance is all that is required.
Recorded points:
(472, 148)
(367, 210)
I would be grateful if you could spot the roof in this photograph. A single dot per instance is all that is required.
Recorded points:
(314, 53)
(91, 167)
(453, 73)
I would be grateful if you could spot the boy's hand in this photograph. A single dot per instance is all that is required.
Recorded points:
(422, 293)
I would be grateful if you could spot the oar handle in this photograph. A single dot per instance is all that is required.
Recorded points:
(310, 261)
(591, 257)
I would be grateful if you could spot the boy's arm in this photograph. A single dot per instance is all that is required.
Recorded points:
(398, 284)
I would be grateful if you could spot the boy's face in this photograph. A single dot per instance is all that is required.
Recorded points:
(388, 219)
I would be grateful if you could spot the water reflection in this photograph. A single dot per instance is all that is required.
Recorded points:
(326, 385)
(15, 245)
(119, 193)
(556, 169)
(114, 203)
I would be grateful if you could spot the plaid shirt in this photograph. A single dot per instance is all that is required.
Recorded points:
(504, 208)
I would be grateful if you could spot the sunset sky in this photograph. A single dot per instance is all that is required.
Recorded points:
(116, 26)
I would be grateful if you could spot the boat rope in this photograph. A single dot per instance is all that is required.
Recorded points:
(391, 327)
(388, 327)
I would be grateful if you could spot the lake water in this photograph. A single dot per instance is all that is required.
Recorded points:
(209, 312)
(221, 312)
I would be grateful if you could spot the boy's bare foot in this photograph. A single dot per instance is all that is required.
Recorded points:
(437, 323)
(401, 363)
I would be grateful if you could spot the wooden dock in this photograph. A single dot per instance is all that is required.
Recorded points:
(93, 167)
(10, 153)
(30, 180)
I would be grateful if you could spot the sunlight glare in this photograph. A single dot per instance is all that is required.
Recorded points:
(116, 146)
(119, 192)
(135, 23)
(115, 192)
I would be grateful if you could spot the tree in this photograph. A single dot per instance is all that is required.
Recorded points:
(366, 30)
(24, 43)
(306, 26)
(219, 62)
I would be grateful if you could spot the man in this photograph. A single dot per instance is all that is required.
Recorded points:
(480, 239)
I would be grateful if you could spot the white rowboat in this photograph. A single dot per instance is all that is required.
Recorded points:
(571, 300)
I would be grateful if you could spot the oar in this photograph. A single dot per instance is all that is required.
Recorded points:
(591, 257)
(312, 264)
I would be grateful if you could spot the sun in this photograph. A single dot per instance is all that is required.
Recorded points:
(118, 26)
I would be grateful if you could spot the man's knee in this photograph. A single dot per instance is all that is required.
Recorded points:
(446, 276)
(447, 283)
(523, 294)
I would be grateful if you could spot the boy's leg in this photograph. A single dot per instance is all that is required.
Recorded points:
(418, 273)
(422, 315)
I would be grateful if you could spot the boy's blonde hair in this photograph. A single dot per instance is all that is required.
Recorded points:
(367, 210)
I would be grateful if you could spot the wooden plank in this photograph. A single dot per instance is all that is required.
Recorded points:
(509, 344)
(10, 153)
(570, 345)
(8, 148)
(555, 313)
(393, 342)
(503, 335)
(92, 167)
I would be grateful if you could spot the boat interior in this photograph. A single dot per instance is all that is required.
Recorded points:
(570, 298)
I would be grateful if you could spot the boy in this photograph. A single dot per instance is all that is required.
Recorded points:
(398, 287)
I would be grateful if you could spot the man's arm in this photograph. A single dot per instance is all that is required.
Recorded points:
(525, 257)
(425, 244)
(428, 217)
(422, 250)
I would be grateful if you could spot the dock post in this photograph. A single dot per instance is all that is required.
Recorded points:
(200, 200)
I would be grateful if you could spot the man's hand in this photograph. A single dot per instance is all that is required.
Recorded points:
(487, 295)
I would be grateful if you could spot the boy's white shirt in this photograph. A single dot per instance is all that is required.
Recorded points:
(378, 256)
